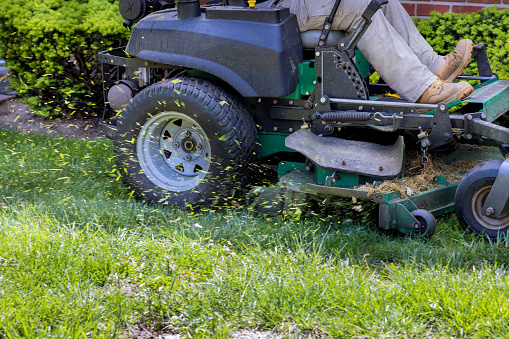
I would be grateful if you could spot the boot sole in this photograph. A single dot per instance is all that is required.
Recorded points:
(465, 60)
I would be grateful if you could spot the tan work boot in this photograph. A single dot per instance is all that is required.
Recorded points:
(441, 91)
(454, 63)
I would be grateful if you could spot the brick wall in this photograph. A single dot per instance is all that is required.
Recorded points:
(422, 8)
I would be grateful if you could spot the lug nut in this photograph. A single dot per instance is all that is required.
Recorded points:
(188, 158)
(188, 134)
(176, 145)
(490, 211)
(199, 147)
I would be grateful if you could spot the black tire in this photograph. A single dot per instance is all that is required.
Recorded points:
(427, 224)
(184, 141)
(470, 196)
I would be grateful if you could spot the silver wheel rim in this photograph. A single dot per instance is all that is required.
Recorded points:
(478, 200)
(173, 151)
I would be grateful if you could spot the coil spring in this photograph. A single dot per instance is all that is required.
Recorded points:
(346, 116)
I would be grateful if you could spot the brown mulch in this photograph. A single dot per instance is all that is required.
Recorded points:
(15, 115)
(420, 175)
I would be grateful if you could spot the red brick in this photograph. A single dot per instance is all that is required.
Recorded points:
(465, 9)
(426, 9)
(410, 8)
(485, 1)
(505, 2)
(203, 2)
(456, 0)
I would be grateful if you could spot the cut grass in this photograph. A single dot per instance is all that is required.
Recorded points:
(80, 258)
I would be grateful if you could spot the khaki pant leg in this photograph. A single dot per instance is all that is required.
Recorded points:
(398, 17)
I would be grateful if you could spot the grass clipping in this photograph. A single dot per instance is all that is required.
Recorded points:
(421, 176)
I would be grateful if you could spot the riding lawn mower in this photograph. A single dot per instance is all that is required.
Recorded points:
(209, 94)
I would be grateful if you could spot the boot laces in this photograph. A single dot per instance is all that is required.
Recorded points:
(437, 83)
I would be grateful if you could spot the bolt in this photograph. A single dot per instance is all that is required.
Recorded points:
(176, 145)
(322, 36)
(327, 26)
(342, 45)
(323, 100)
(361, 108)
(188, 134)
(469, 136)
(343, 163)
(307, 93)
(424, 143)
(416, 226)
(308, 105)
(469, 117)
(447, 137)
(290, 130)
(442, 107)
(274, 129)
(315, 82)
(317, 53)
(490, 211)
(381, 168)
(328, 129)
(188, 158)
(290, 102)
(147, 63)
(199, 147)
(483, 115)
(321, 43)
(274, 102)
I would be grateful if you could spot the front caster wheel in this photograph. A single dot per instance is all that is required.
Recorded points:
(471, 194)
(427, 224)
(185, 141)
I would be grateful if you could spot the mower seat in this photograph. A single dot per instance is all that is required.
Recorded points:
(310, 38)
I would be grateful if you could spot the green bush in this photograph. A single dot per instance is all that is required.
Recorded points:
(51, 48)
(488, 27)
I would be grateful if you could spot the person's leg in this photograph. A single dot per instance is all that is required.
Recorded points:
(398, 17)
(394, 60)
(382, 46)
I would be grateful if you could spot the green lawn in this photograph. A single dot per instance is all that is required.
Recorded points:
(79, 257)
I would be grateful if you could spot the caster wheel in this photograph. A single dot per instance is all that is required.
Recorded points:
(427, 224)
(471, 194)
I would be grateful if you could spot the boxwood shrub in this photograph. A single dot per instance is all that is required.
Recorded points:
(51, 48)
(489, 26)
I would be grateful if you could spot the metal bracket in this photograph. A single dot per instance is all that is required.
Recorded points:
(496, 202)
(441, 128)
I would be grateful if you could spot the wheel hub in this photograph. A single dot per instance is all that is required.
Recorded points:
(174, 151)
(486, 220)
(188, 142)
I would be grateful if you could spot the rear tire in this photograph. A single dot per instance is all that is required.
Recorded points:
(185, 141)
(471, 194)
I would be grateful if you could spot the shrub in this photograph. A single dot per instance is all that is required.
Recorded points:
(51, 48)
(488, 27)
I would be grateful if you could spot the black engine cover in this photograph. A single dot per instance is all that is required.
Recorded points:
(256, 51)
